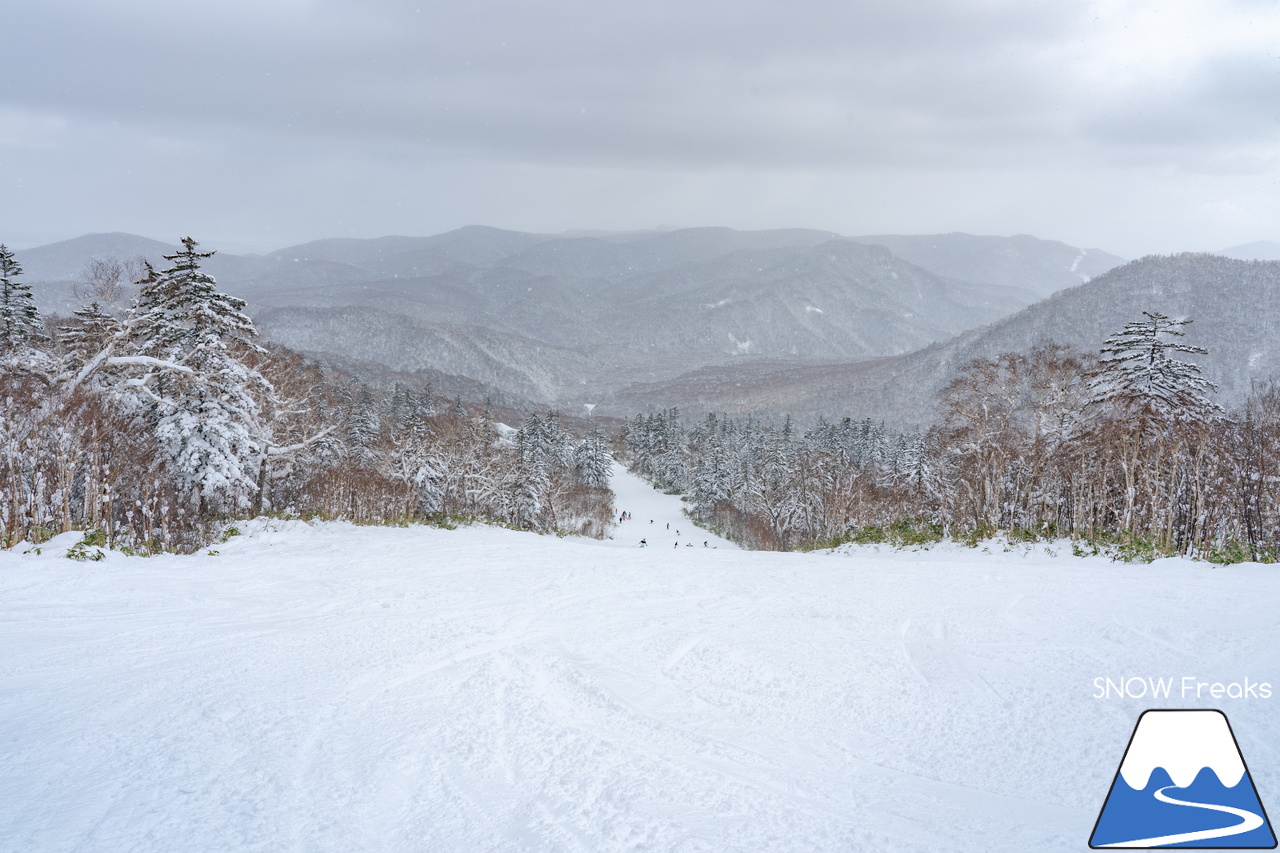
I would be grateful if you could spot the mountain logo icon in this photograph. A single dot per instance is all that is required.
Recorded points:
(1183, 783)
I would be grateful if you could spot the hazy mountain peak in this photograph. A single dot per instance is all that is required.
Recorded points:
(64, 260)
(1261, 250)
(1022, 261)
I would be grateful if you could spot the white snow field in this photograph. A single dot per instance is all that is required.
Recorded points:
(338, 688)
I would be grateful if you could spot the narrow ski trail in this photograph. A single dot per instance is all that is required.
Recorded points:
(656, 517)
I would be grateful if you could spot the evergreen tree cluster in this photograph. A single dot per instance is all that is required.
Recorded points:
(157, 422)
(768, 485)
(658, 447)
(1124, 448)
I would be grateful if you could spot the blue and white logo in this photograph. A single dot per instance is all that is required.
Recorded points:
(1183, 783)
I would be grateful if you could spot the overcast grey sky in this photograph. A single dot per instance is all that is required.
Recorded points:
(1134, 127)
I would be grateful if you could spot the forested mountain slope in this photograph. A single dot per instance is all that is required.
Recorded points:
(1234, 306)
(1043, 266)
(569, 319)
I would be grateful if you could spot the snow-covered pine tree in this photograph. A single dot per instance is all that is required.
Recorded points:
(914, 464)
(411, 452)
(560, 443)
(424, 403)
(180, 310)
(531, 440)
(364, 429)
(592, 459)
(88, 333)
(206, 419)
(431, 482)
(19, 320)
(670, 466)
(635, 436)
(710, 481)
(544, 442)
(1139, 374)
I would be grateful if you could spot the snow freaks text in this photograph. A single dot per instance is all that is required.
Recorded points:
(1184, 687)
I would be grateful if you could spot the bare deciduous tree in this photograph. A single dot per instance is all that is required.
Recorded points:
(110, 281)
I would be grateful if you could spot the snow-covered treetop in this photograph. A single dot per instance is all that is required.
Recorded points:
(181, 309)
(1139, 372)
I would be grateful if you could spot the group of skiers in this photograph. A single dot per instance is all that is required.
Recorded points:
(623, 515)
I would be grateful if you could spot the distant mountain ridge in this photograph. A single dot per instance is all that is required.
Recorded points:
(566, 319)
(649, 309)
(1262, 250)
(1043, 266)
(1234, 306)
(64, 260)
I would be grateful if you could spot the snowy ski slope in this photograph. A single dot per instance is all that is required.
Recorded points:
(335, 688)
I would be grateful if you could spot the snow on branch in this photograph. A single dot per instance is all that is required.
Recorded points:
(302, 445)
(150, 362)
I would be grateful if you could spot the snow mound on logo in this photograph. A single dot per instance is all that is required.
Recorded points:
(1183, 783)
(1183, 743)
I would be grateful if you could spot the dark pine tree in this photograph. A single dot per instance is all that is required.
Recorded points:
(19, 320)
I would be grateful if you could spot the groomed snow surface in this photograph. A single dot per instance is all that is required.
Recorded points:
(335, 688)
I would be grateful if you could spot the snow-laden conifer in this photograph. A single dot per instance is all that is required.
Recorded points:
(431, 482)
(92, 327)
(542, 442)
(1140, 374)
(710, 481)
(592, 459)
(205, 414)
(364, 429)
(20, 325)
